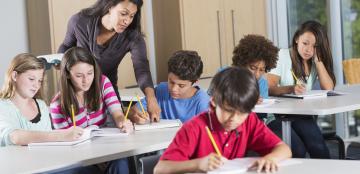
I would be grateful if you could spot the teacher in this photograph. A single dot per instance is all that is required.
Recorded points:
(109, 29)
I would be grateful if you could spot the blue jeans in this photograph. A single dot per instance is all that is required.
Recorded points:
(119, 166)
(306, 136)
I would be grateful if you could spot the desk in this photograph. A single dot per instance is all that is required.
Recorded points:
(17, 159)
(321, 106)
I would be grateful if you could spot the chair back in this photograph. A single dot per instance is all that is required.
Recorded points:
(351, 69)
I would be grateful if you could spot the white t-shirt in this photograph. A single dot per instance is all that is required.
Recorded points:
(283, 69)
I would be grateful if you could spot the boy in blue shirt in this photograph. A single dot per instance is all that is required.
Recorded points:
(178, 98)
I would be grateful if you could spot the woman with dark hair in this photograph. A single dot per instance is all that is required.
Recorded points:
(309, 59)
(92, 96)
(109, 30)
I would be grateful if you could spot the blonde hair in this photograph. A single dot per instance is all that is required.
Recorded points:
(21, 63)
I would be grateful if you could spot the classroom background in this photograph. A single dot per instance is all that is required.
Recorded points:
(212, 28)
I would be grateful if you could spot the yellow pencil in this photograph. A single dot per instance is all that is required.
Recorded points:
(73, 115)
(213, 141)
(142, 107)
(128, 109)
(297, 80)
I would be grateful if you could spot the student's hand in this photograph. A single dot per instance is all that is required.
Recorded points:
(316, 58)
(260, 100)
(264, 165)
(137, 116)
(211, 162)
(299, 89)
(126, 126)
(153, 109)
(72, 133)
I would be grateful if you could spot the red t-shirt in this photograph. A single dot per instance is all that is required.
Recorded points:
(192, 141)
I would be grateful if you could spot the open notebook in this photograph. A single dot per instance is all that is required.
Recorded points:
(89, 132)
(315, 94)
(163, 123)
(241, 165)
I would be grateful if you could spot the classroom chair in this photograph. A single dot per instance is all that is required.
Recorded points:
(147, 163)
(352, 76)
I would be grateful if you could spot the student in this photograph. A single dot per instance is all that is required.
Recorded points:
(234, 93)
(24, 117)
(178, 98)
(259, 55)
(310, 59)
(110, 29)
(92, 96)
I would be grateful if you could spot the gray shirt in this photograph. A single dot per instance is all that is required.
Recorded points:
(82, 32)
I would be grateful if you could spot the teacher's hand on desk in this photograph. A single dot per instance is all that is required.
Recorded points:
(153, 109)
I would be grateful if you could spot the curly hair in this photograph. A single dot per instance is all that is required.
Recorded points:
(253, 48)
(185, 64)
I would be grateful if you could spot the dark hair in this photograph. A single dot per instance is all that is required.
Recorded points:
(235, 88)
(71, 57)
(187, 65)
(253, 48)
(101, 8)
(322, 47)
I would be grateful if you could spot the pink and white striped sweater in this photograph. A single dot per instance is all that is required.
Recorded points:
(84, 118)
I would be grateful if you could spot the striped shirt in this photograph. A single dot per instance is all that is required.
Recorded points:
(84, 118)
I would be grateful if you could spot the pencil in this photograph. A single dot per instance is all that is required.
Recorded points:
(142, 107)
(73, 115)
(128, 109)
(297, 80)
(213, 141)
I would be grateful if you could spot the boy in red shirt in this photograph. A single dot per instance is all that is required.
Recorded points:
(234, 93)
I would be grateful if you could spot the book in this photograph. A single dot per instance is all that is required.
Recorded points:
(335, 93)
(266, 102)
(163, 123)
(308, 94)
(89, 132)
(241, 165)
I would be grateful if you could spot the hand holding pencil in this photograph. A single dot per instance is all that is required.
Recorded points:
(125, 124)
(299, 87)
(213, 160)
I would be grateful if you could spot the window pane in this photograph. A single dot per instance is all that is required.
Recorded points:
(300, 11)
(351, 28)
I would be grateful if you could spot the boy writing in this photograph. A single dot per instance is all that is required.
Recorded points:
(178, 98)
(234, 93)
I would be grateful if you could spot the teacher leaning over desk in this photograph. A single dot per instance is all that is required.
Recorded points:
(109, 29)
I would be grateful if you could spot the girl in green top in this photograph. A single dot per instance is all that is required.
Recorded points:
(24, 117)
(308, 59)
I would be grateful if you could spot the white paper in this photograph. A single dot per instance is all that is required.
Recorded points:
(163, 123)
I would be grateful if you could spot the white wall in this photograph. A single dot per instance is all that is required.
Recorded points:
(13, 32)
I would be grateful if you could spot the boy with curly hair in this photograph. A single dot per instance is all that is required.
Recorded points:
(259, 55)
(178, 98)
